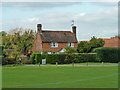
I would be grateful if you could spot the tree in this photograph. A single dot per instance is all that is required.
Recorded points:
(3, 33)
(69, 50)
(95, 43)
(86, 47)
(83, 47)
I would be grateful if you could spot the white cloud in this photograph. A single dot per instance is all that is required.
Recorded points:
(31, 20)
(102, 23)
(60, 0)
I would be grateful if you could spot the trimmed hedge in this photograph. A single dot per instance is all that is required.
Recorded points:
(6, 61)
(64, 58)
(108, 54)
(36, 58)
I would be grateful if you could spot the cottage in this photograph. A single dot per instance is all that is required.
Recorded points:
(54, 41)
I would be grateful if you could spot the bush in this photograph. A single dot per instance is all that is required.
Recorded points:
(108, 54)
(69, 58)
(36, 58)
(6, 61)
(64, 58)
(53, 58)
(89, 57)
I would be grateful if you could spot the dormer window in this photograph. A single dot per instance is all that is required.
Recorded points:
(54, 44)
(71, 44)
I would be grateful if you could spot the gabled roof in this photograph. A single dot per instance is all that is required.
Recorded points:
(58, 36)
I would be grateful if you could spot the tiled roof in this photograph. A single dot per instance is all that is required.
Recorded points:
(58, 36)
(112, 42)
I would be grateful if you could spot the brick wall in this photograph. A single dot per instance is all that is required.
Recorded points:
(47, 47)
(37, 44)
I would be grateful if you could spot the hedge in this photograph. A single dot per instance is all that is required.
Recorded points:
(64, 58)
(36, 58)
(108, 54)
(6, 61)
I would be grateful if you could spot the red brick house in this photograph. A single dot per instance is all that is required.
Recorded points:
(54, 41)
(112, 42)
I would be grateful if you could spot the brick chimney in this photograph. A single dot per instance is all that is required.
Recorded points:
(74, 29)
(39, 28)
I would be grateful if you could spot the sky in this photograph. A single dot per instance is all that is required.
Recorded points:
(99, 19)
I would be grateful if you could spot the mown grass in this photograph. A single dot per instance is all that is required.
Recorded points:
(59, 77)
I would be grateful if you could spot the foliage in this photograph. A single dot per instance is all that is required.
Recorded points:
(3, 33)
(87, 47)
(36, 58)
(83, 47)
(95, 43)
(65, 58)
(6, 61)
(89, 57)
(19, 39)
(44, 55)
(2, 52)
(69, 50)
(108, 54)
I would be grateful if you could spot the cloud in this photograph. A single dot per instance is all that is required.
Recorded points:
(31, 20)
(60, 0)
(35, 5)
(102, 23)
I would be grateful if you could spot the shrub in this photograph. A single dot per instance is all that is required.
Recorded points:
(89, 57)
(6, 61)
(64, 58)
(36, 58)
(69, 50)
(108, 54)
(69, 58)
(52, 58)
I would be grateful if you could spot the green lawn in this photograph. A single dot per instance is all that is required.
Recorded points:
(60, 77)
(93, 63)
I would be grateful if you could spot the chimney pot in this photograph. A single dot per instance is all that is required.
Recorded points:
(74, 29)
(39, 28)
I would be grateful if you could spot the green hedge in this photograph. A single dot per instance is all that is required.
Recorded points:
(36, 58)
(6, 61)
(64, 58)
(108, 54)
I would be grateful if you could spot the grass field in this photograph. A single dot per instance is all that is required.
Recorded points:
(59, 77)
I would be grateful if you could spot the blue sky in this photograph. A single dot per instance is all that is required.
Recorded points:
(92, 19)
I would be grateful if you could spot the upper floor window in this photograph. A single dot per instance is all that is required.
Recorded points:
(54, 44)
(71, 44)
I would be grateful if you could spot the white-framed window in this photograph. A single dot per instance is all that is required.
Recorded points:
(54, 44)
(71, 44)
(49, 52)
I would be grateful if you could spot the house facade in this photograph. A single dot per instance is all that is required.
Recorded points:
(54, 41)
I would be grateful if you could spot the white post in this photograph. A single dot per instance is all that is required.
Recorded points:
(73, 64)
(56, 63)
(103, 63)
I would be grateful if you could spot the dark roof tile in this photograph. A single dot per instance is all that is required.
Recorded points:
(58, 36)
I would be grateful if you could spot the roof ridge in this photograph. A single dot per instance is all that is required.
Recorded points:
(54, 31)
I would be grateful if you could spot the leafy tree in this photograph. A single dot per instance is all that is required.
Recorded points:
(83, 47)
(20, 40)
(69, 50)
(95, 43)
(86, 47)
(3, 33)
